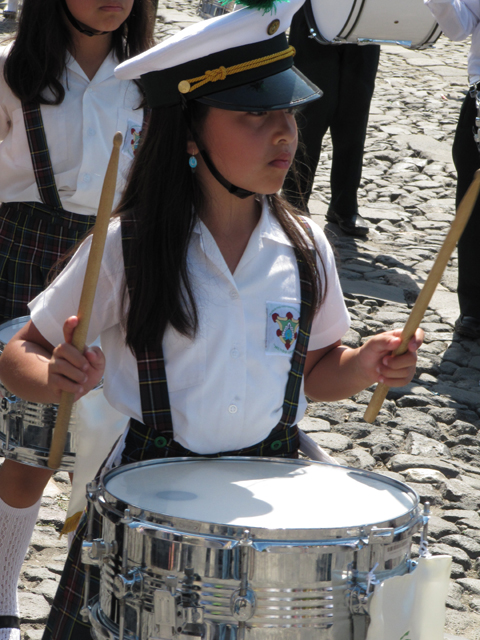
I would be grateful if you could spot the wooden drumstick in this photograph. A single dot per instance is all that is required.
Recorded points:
(88, 295)
(458, 225)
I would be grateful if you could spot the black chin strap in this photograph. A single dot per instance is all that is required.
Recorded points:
(231, 188)
(79, 26)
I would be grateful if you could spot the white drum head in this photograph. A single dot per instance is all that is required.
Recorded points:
(10, 328)
(263, 494)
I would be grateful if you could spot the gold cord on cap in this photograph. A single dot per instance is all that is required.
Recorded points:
(187, 86)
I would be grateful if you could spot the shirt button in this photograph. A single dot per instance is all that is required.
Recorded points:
(234, 353)
(87, 178)
(91, 131)
(233, 408)
(233, 294)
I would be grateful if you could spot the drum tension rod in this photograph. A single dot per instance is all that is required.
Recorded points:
(92, 490)
(244, 601)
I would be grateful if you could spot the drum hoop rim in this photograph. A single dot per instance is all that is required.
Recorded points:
(319, 37)
(205, 528)
(353, 17)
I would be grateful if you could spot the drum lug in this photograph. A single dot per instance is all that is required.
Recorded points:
(129, 585)
(97, 551)
(243, 606)
(92, 490)
(243, 602)
(165, 611)
(86, 557)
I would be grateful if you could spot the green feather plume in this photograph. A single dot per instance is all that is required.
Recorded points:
(267, 6)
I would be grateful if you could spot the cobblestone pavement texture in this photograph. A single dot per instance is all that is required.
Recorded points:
(426, 433)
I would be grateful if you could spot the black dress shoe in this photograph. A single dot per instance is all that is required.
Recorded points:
(351, 226)
(468, 326)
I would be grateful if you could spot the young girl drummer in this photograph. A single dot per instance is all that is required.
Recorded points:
(217, 306)
(60, 105)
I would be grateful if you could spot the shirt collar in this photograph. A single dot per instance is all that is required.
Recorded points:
(105, 71)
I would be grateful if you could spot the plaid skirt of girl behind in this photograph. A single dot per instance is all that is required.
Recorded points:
(33, 237)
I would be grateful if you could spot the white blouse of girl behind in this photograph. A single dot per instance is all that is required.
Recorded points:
(227, 386)
(79, 135)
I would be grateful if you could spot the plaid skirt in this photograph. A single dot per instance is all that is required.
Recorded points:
(142, 443)
(33, 237)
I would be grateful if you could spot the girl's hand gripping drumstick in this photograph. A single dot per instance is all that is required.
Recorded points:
(88, 295)
(458, 225)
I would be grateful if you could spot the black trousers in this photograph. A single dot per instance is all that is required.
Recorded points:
(346, 75)
(466, 157)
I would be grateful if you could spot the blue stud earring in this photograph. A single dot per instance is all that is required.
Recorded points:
(192, 161)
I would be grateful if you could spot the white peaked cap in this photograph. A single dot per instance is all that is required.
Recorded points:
(209, 59)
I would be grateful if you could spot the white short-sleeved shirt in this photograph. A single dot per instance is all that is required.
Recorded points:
(79, 135)
(227, 386)
(460, 19)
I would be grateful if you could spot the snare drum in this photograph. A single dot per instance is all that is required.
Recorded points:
(26, 428)
(408, 22)
(233, 548)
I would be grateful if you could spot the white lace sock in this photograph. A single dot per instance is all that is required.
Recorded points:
(16, 528)
(12, 5)
(9, 634)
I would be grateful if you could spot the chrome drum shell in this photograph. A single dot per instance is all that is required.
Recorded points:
(26, 428)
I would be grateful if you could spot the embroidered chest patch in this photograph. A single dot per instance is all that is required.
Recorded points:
(282, 327)
(132, 138)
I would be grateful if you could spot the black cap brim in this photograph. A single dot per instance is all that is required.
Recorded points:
(284, 90)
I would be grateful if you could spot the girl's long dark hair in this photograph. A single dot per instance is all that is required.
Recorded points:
(166, 196)
(36, 60)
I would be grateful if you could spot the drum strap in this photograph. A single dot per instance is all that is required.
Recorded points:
(40, 155)
(152, 376)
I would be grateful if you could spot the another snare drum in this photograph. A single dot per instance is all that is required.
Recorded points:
(234, 548)
(408, 23)
(26, 428)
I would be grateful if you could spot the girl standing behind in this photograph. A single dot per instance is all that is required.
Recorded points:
(460, 19)
(218, 307)
(60, 105)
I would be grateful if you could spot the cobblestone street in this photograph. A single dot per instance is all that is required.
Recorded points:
(426, 433)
